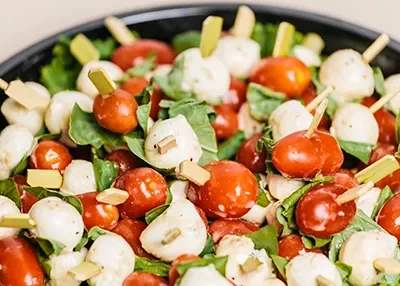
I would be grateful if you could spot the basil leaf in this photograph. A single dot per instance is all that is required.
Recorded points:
(312, 242)
(139, 70)
(267, 143)
(21, 166)
(155, 213)
(105, 47)
(209, 247)
(280, 264)
(105, 173)
(228, 149)
(50, 246)
(344, 271)
(41, 193)
(379, 81)
(143, 111)
(43, 261)
(9, 189)
(83, 242)
(262, 199)
(384, 196)
(219, 263)
(361, 151)
(157, 267)
(95, 232)
(265, 238)
(186, 40)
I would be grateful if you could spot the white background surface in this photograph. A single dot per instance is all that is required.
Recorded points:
(24, 22)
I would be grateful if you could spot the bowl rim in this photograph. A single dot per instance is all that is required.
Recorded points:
(183, 10)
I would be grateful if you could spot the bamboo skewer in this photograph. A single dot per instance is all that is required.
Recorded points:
(319, 113)
(316, 101)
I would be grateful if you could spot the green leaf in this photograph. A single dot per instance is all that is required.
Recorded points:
(157, 267)
(95, 232)
(262, 199)
(143, 111)
(83, 242)
(263, 101)
(361, 151)
(9, 189)
(21, 166)
(344, 271)
(379, 81)
(105, 173)
(384, 196)
(105, 47)
(265, 238)
(260, 36)
(219, 263)
(41, 193)
(312, 242)
(50, 246)
(387, 279)
(155, 213)
(84, 130)
(139, 70)
(267, 143)
(280, 264)
(186, 40)
(43, 261)
(209, 247)
(228, 149)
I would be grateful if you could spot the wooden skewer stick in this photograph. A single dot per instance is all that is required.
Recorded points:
(210, 34)
(166, 144)
(83, 50)
(112, 196)
(376, 47)
(244, 22)
(3, 84)
(314, 103)
(119, 30)
(193, 172)
(382, 101)
(51, 179)
(354, 193)
(17, 221)
(250, 265)
(283, 40)
(319, 113)
(171, 236)
(378, 170)
(85, 271)
(104, 84)
(387, 265)
(322, 281)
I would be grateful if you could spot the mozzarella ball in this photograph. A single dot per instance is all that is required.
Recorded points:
(361, 249)
(79, 178)
(271, 215)
(392, 84)
(178, 189)
(281, 188)
(85, 85)
(288, 118)
(61, 264)
(204, 276)
(15, 142)
(304, 269)
(60, 109)
(115, 257)
(238, 54)
(190, 236)
(247, 123)
(307, 56)
(354, 122)
(160, 70)
(256, 215)
(8, 207)
(188, 145)
(207, 78)
(58, 220)
(274, 282)
(351, 76)
(368, 201)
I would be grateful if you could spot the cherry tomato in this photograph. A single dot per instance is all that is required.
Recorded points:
(98, 214)
(135, 85)
(147, 190)
(345, 178)
(156, 97)
(248, 155)
(27, 199)
(117, 112)
(222, 227)
(130, 230)
(291, 245)
(284, 74)
(318, 214)
(231, 191)
(144, 279)
(389, 216)
(125, 160)
(50, 155)
(173, 274)
(236, 95)
(136, 53)
(308, 95)
(298, 156)
(226, 124)
(19, 264)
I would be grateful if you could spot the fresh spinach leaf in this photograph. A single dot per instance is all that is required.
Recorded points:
(361, 151)
(143, 111)
(344, 271)
(265, 238)
(105, 47)
(219, 263)
(262, 199)
(280, 264)
(384, 196)
(229, 148)
(139, 70)
(379, 81)
(8, 189)
(50, 246)
(157, 267)
(105, 173)
(95, 232)
(186, 40)
(209, 247)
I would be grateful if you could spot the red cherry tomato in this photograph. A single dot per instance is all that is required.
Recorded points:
(136, 53)
(98, 214)
(226, 124)
(125, 160)
(27, 199)
(19, 264)
(291, 245)
(299, 156)
(248, 155)
(173, 274)
(50, 155)
(236, 95)
(230, 192)
(345, 178)
(135, 85)
(144, 279)
(147, 190)
(156, 97)
(308, 95)
(318, 214)
(117, 112)
(222, 227)
(389, 216)
(285, 74)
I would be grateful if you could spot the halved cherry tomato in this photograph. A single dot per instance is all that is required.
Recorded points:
(147, 190)
(389, 216)
(236, 95)
(308, 95)
(298, 156)
(291, 245)
(318, 214)
(226, 124)
(116, 112)
(345, 178)
(144, 279)
(130, 230)
(27, 199)
(222, 227)
(125, 160)
(284, 74)
(173, 274)
(248, 155)
(19, 263)
(136, 53)
(135, 85)
(50, 155)
(98, 214)
(231, 191)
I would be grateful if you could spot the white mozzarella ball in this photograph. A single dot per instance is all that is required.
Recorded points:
(188, 145)
(274, 282)
(351, 76)
(8, 207)
(248, 124)
(238, 54)
(392, 84)
(204, 276)
(368, 201)
(307, 56)
(304, 269)
(288, 118)
(79, 178)
(355, 122)
(280, 187)
(178, 190)
(40, 89)
(361, 249)
(256, 215)
(61, 264)
(271, 215)
(58, 220)
(15, 142)
(160, 70)
(60, 109)
(190, 236)
(207, 78)
(114, 256)
(85, 85)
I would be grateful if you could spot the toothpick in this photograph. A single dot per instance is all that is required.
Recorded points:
(17, 221)
(112, 196)
(83, 50)
(387, 265)
(319, 113)
(244, 22)
(104, 84)
(354, 193)
(378, 170)
(314, 42)
(166, 144)
(171, 236)
(322, 281)
(250, 265)
(85, 271)
(314, 103)
(51, 179)
(193, 173)
(283, 40)
(119, 30)
(373, 50)
(3, 84)
(210, 34)
(382, 101)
